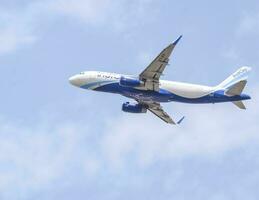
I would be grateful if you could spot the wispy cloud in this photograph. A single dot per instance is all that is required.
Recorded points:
(222, 129)
(17, 26)
(119, 16)
(90, 12)
(15, 31)
(35, 158)
(249, 24)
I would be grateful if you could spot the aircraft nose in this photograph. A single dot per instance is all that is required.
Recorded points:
(74, 80)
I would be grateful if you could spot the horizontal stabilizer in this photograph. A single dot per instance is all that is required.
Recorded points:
(239, 104)
(236, 89)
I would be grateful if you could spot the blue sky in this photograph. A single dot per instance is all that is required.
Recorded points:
(60, 142)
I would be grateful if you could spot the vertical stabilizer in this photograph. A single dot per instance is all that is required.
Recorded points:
(240, 75)
(235, 84)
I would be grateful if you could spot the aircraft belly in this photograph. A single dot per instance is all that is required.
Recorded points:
(147, 96)
(178, 94)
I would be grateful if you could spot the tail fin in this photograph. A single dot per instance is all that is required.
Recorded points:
(235, 84)
(240, 75)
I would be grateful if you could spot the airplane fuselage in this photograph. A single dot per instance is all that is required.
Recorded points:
(168, 90)
(149, 90)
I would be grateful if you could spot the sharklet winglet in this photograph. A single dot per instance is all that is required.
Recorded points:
(177, 40)
(179, 122)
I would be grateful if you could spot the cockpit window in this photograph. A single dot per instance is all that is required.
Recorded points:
(81, 72)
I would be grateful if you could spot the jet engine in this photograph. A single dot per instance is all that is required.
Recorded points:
(134, 108)
(130, 82)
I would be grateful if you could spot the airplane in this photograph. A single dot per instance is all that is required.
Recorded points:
(149, 91)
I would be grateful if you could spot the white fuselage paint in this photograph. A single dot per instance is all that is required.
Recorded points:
(96, 79)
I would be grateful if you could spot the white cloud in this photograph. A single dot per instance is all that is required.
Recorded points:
(84, 10)
(17, 26)
(211, 130)
(116, 15)
(34, 158)
(91, 166)
(15, 31)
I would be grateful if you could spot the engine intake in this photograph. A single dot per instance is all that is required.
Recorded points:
(130, 82)
(133, 108)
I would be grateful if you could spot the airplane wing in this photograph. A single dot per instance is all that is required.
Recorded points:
(157, 109)
(150, 76)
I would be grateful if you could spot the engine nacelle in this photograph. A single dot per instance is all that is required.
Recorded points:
(130, 82)
(133, 108)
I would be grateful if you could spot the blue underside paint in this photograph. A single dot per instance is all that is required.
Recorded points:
(164, 95)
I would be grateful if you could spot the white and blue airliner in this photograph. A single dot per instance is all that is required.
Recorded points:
(149, 91)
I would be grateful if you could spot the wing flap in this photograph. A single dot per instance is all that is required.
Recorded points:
(162, 115)
(157, 110)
